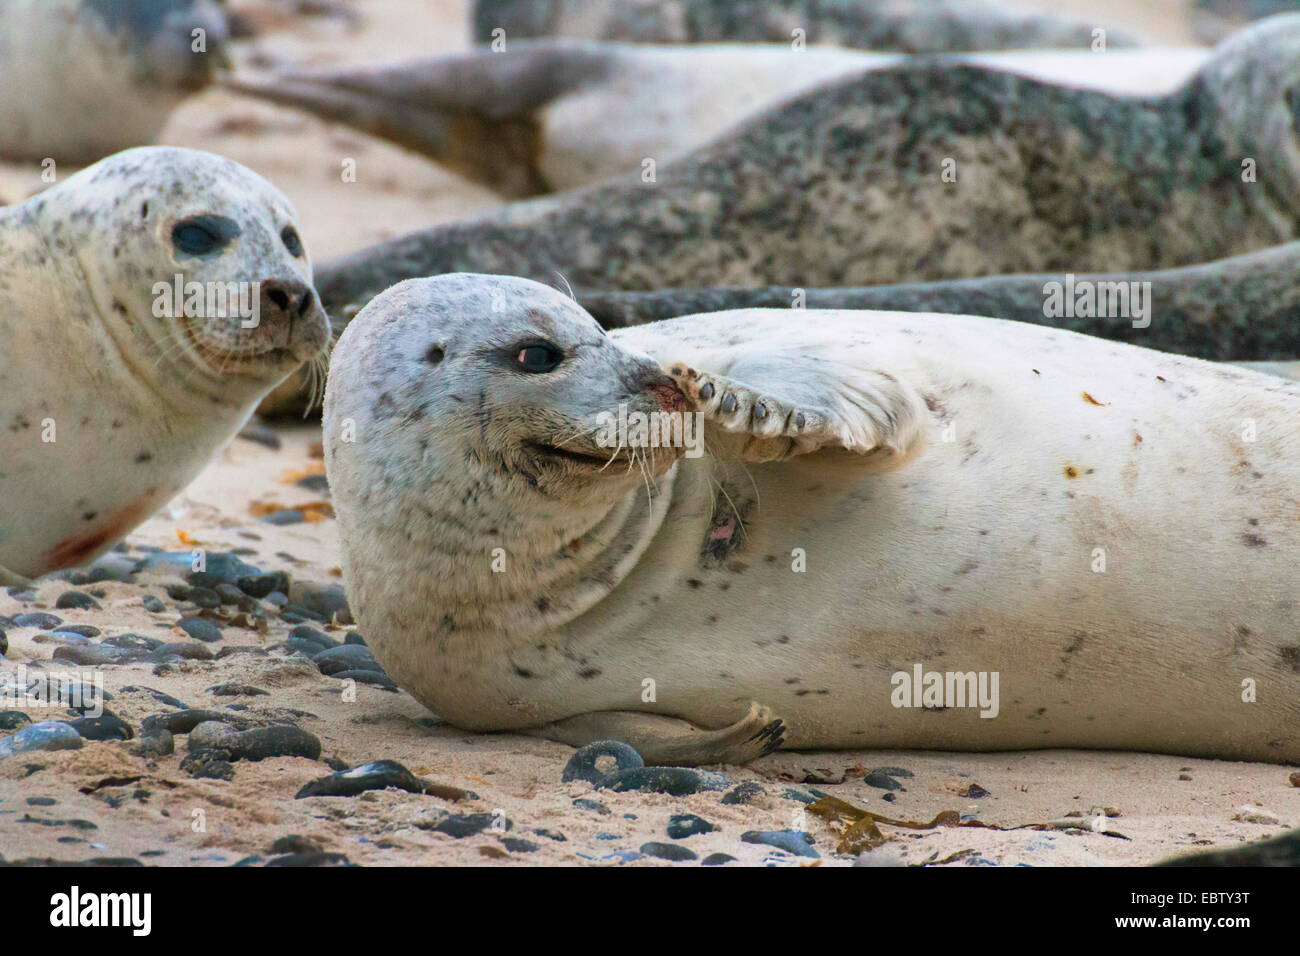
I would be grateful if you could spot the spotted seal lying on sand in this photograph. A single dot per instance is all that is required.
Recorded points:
(907, 26)
(80, 79)
(550, 115)
(849, 185)
(880, 496)
(146, 306)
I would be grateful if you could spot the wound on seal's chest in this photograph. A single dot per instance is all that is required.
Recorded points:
(733, 505)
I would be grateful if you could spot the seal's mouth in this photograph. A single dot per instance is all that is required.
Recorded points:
(558, 452)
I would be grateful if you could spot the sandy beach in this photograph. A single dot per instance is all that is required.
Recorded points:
(111, 799)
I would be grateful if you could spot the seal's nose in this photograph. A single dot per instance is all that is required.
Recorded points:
(669, 396)
(293, 300)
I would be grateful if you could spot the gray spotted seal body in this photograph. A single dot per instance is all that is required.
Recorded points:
(1246, 308)
(551, 115)
(907, 26)
(80, 79)
(946, 480)
(115, 391)
(844, 186)
(555, 114)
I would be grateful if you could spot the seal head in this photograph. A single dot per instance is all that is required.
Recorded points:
(195, 267)
(495, 377)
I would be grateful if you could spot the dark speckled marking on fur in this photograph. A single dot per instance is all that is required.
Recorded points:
(920, 26)
(1290, 654)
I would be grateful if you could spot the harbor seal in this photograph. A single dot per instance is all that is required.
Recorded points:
(1246, 308)
(146, 305)
(906, 26)
(550, 115)
(555, 114)
(880, 494)
(1242, 309)
(845, 186)
(80, 79)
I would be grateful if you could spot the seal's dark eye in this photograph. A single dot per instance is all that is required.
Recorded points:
(289, 236)
(538, 357)
(203, 235)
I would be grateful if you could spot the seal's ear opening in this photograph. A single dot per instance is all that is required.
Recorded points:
(435, 354)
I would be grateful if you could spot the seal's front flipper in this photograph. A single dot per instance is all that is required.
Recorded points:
(476, 112)
(670, 742)
(776, 407)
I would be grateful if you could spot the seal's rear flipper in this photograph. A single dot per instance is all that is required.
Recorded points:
(474, 112)
(670, 742)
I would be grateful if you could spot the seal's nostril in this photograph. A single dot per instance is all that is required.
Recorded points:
(308, 301)
(280, 299)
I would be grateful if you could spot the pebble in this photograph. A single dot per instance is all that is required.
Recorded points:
(668, 851)
(305, 632)
(184, 650)
(261, 434)
(84, 630)
(373, 678)
(717, 859)
(161, 743)
(218, 566)
(1249, 814)
(294, 843)
(157, 695)
(881, 781)
(792, 841)
(76, 600)
(4, 644)
(200, 628)
(41, 801)
(377, 775)
(153, 604)
(45, 622)
(287, 516)
(674, 781)
(347, 657)
(811, 795)
(599, 761)
(208, 765)
(518, 845)
(461, 825)
(354, 637)
(237, 690)
(257, 743)
(183, 721)
(113, 566)
(310, 859)
(52, 637)
(262, 585)
(98, 655)
(13, 719)
(303, 648)
(743, 793)
(107, 726)
(317, 483)
(583, 803)
(47, 735)
(683, 825)
(326, 600)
